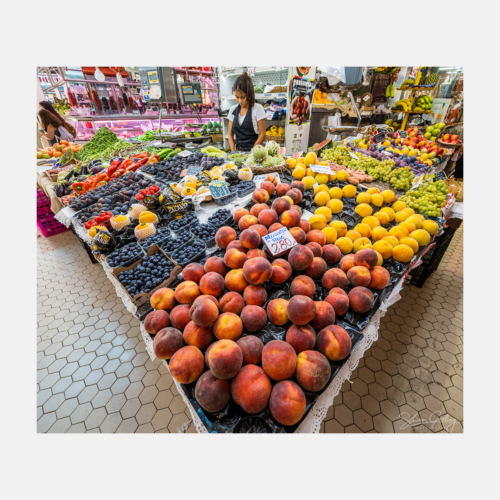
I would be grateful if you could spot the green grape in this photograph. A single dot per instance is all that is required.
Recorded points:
(429, 202)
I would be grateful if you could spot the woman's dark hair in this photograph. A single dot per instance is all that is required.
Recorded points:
(245, 84)
(47, 118)
(48, 107)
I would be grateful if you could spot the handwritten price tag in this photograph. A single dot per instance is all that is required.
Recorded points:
(353, 155)
(193, 170)
(279, 241)
(259, 179)
(321, 169)
(269, 114)
(403, 134)
(185, 153)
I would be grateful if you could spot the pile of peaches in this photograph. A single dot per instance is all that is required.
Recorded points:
(206, 326)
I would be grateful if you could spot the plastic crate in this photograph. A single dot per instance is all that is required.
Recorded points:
(49, 226)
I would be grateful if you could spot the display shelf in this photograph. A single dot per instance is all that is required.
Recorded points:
(181, 72)
(259, 70)
(103, 118)
(268, 95)
(418, 87)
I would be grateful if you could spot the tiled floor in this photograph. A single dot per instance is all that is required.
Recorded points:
(93, 374)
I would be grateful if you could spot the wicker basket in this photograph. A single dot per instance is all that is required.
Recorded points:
(217, 137)
(258, 170)
(73, 162)
(455, 128)
(280, 139)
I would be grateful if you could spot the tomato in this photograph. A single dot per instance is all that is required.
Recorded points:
(64, 150)
(66, 143)
(57, 154)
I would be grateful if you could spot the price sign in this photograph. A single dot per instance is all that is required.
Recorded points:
(194, 170)
(269, 114)
(379, 138)
(366, 98)
(353, 155)
(403, 134)
(279, 241)
(251, 71)
(184, 153)
(321, 169)
(219, 189)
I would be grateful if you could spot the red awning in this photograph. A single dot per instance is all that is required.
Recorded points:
(90, 70)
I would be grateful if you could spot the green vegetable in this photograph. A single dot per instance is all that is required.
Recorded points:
(103, 145)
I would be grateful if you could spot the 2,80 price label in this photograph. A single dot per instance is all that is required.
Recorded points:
(279, 241)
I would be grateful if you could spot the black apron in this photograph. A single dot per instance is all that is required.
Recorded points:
(245, 133)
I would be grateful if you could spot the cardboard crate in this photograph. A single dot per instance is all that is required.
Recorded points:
(142, 298)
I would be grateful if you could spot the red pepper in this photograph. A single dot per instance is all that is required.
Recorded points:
(78, 187)
(138, 164)
(139, 196)
(114, 167)
(145, 154)
(126, 163)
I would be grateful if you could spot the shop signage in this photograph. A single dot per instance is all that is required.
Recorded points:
(322, 169)
(379, 138)
(403, 134)
(279, 241)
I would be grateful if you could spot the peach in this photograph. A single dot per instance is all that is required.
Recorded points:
(187, 364)
(225, 359)
(251, 347)
(331, 254)
(316, 236)
(298, 185)
(260, 196)
(231, 302)
(234, 258)
(347, 262)
(251, 389)
(334, 342)
(361, 244)
(275, 227)
(257, 270)
(212, 284)
(290, 218)
(339, 301)
(301, 309)
(276, 312)
(216, 265)
(344, 244)
(287, 403)
(209, 297)
(256, 252)
(167, 342)
(301, 337)
(203, 312)
(300, 257)
(282, 270)
(237, 244)
(211, 393)
(359, 276)
(297, 209)
(295, 195)
(228, 326)
(335, 278)
(303, 285)
(224, 236)
(305, 226)
(254, 318)
(367, 258)
(360, 299)
(235, 281)
(380, 278)
(179, 317)
(250, 239)
(156, 321)
(199, 336)
(281, 205)
(278, 360)
(268, 186)
(272, 178)
(313, 370)
(262, 230)
(187, 292)
(325, 315)
(316, 269)
(282, 189)
(257, 209)
(255, 295)
(248, 220)
(268, 217)
(193, 272)
(163, 299)
(298, 235)
(239, 213)
(316, 248)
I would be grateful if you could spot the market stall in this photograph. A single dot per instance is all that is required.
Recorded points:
(269, 271)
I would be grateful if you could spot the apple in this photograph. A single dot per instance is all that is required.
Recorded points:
(454, 137)
(446, 137)
(432, 155)
(440, 151)
(424, 150)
